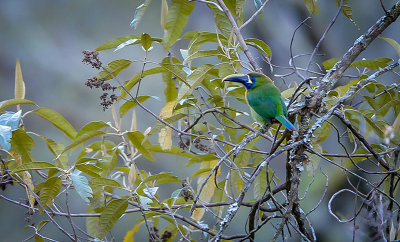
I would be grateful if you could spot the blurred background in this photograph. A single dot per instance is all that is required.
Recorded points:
(48, 37)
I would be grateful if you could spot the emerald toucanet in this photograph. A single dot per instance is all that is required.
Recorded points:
(263, 97)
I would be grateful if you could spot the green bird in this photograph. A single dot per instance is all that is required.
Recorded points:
(263, 97)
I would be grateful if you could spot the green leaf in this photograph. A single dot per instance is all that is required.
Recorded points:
(92, 126)
(82, 187)
(114, 67)
(19, 91)
(13, 102)
(146, 41)
(347, 11)
(136, 138)
(57, 120)
(174, 150)
(261, 46)
(118, 41)
(160, 125)
(82, 138)
(322, 133)
(49, 190)
(139, 12)
(170, 91)
(371, 64)
(37, 165)
(23, 144)
(164, 13)
(177, 18)
(194, 80)
(221, 20)
(162, 177)
(109, 217)
(393, 43)
(128, 105)
(132, 82)
(200, 54)
(129, 235)
(91, 222)
(312, 6)
(177, 71)
(105, 182)
(328, 64)
(89, 169)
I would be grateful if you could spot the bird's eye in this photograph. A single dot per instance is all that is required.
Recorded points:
(249, 81)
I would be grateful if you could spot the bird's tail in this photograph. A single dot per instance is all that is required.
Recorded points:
(283, 120)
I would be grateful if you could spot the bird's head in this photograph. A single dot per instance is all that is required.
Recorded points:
(249, 80)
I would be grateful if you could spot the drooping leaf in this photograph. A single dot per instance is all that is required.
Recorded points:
(82, 187)
(132, 82)
(13, 102)
(132, 175)
(92, 126)
(177, 18)
(170, 91)
(19, 91)
(194, 80)
(200, 54)
(113, 68)
(82, 138)
(22, 144)
(91, 222)
(89, 169)
(37, 165)
(221, 20)
(128, 105)
(49, 190)
(146, 41)
(57, 120)
(136, 138)
(347, 11)
(208, 189)
(328, 64)
(164, 13)
(261, 46)
(312, 6)
(109, 217)
(393, 43)
(105, 182)
(139, 12)
(165, 135)
(239, 11)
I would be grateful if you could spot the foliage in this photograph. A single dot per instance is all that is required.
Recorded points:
(199, 123)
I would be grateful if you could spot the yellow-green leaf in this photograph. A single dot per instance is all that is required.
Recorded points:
(199, 54)
(129, 235)
(109, 217)
(194, 80)
(128, 105)
(328, 64)
(117, 41)
(105, 182)
(177, 18)
(164, 13)
(393, 43)
(82, 138)
(165, 135)
(13, 102)
(136, 138)
(146, 41)
(57, 120)
(113, 68)
(312, 6)
(261, 46)
(132, 82)
(49, 190)
(95, 125)
(19, 82)
(37, 165)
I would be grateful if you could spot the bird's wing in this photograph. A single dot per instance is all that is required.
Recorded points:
(263, 105)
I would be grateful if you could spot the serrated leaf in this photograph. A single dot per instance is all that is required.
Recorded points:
(82, 138)
(146, 41)
(19, 91)
(194, 80)
(105, 182)
(49, 190)
(261, 46)
(82, 187)
(37, 165)
(139, 12)
(393, 43)
(114, 67)
(13, 102)
(57, 120)
(136, 138)
(128, 105)
(109, 217)
(177, 18)
(92, 126)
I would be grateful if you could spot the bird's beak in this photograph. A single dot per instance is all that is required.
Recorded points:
(241, 78)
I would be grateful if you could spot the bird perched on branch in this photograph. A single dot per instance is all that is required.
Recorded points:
(263, 97)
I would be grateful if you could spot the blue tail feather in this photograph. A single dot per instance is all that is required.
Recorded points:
(283, 120)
